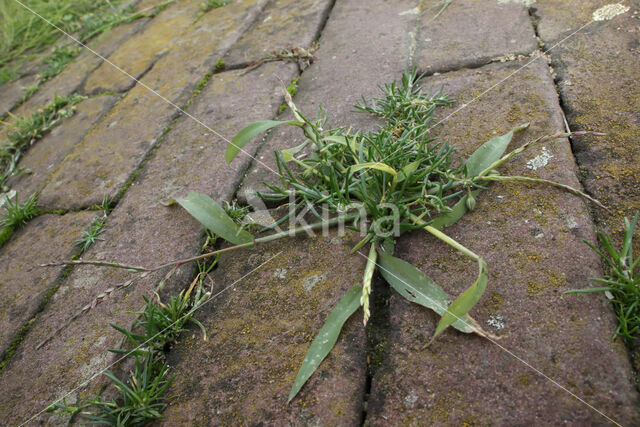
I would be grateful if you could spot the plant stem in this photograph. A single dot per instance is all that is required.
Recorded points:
(366, 282)
(544, 181)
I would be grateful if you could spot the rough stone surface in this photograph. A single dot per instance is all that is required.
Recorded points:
(137, 54)
(283, 23)
(341, 74)
(139, 231)
(531, 238)
(43, 158)
(471, 33)
(116, 145)
(556, 20)
(11, 93)
(23, 283)
(259, 330)
(599, 83)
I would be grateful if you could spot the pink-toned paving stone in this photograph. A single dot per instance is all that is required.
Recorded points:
(23, 283)
(43, 158)
(140, 231)
(469, 33)
(104, 161)
(282, 24)
(260, 328)
(531, 238)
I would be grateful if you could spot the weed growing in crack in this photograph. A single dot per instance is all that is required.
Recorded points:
(382, 183)
(153, 333)
(622, 281)
(17, 214)
(25, 131)
(92, 235)
(57, 61)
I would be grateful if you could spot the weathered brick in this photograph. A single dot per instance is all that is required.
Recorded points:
(23, 283)
(260, 328)
(43, 158)
(471, 33)
(283, 23)
(531, 238)
(116, 145)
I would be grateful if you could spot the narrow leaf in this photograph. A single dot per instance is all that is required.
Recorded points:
(489, 152)
(287, 155)
(251, 131)
(374, 165)
(408, 170)
(465, 302)
(415, 286)
(327, 337)
(213, 217)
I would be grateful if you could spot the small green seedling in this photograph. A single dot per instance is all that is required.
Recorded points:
(92, 235)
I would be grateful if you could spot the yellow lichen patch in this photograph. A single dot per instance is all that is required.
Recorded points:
(553, 280)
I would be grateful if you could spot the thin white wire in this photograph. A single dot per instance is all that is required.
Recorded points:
(147, 341)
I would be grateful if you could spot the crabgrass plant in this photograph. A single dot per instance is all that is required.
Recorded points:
(622, 281)
(154, 331)
(384, 183)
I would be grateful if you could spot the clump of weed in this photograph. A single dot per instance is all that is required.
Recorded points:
(220, 65)
(292, 89)
(622, 280)
(208, 5)
(25, 131)
(92, 235)
(57, 61)
(17, 214)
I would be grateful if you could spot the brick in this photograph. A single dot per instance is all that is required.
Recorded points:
(116, 146)
(531, 238)
(24, 283)
(43, 158)
(470, 33)
(259, 331)
(140, 231)
(283, 23)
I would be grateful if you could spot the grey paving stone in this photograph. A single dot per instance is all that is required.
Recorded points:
(23, 283)
(283, 23)
(259, 331)
(115, 146)
(471, 33)
(350, 63)
(557, 19)
(531, 238)
(139, 231)
(599, 83)
(43, 158)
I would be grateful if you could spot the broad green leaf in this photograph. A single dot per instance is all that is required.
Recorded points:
(408, 170)
(375, 165)
(489, 152)
(457, 211)
(412, 284)
(465, 302)
(327, 337)
(287, 155)
(212, 216)
(251, 131)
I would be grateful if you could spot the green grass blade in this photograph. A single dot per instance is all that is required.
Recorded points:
(212, 216)
(327, 337)
(489, 152)
(416, 287)
(375, 165)
(465, 302)
(250, 131)
(588, 290)
(457, 211)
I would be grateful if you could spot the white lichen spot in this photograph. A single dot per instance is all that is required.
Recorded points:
(609, 11)
(539, 236)
(411, 398)
(496, 321)
(571, 222)
(312, 280)
(280, 273)
(96, 363)
(413, 11)
(540, 161)
(527, 3)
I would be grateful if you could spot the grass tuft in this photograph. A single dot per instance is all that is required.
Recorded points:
(18, 214)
